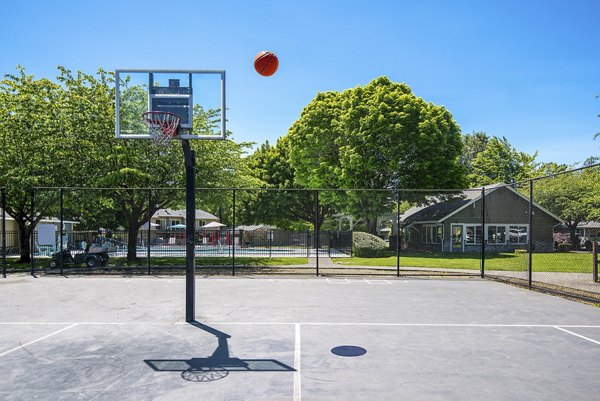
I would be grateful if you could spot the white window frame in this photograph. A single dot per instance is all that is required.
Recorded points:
(474, 226)
(431, 235)
(507, 228)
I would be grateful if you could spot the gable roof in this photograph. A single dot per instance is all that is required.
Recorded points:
(438, 208)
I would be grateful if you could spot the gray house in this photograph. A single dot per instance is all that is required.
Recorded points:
(453, 222)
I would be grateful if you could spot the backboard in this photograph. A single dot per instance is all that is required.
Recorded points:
(196, 96)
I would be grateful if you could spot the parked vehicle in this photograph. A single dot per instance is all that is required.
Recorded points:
(90, 259)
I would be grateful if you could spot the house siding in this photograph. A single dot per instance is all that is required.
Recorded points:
(502, 206)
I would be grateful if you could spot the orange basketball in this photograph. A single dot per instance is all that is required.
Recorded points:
(266, 63)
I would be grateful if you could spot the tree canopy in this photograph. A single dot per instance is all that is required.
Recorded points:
(491, 160)
(61, 134)
(377, 136)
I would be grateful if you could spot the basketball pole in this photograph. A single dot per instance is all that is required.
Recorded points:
(190, 231)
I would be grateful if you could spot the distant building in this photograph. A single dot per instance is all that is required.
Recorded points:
(453, 223)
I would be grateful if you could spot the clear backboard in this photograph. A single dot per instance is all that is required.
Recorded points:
(196, 96)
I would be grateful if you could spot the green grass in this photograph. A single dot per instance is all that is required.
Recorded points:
(542, 262)
(11, 264)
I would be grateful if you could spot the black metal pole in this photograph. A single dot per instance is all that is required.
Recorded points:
(149, 238)
(530, 235)
(317, 228)
(398, 234)
(190, 231)
(32, 234)
(482, 232)
(595, 246)
(4, 232)
(62, 218)
(233, 239)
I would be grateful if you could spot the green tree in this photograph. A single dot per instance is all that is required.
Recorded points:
(574, 196)
(379, 136)
(500, 162)
(286, 207)
(473, 144)
(62, 135)
(31, 138)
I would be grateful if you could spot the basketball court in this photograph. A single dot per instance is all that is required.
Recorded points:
(336, 338)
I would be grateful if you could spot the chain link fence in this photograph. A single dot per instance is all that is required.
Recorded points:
(542, 233)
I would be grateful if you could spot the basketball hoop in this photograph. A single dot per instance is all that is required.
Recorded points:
(162, 126)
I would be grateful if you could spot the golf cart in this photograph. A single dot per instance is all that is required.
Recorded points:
(93, 256)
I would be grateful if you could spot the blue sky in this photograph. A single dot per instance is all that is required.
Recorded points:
(526, 70)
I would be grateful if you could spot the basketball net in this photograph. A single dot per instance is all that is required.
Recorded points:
(162, 126)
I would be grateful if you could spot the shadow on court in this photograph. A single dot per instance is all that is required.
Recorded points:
(218, 365)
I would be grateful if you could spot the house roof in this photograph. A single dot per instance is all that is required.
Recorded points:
(589, 224)
(171, 213)
(439, 208)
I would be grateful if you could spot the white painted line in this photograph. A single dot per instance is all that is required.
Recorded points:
(398, 324)
(378, 281)
(337, 280)
(37, 340)
(297, 362)
(303, 323)
(577, 335)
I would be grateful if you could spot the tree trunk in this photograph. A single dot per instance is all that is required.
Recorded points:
(371, 223)
(132, 243)
(24, 241)
(573, 239)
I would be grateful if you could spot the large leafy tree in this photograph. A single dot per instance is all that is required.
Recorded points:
(60, 134)
(499, 161)
(379, 136)
(283, 202)
(574, 196)
(32, 140)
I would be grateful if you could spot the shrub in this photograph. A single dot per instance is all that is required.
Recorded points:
(367, 245)
(565, 247)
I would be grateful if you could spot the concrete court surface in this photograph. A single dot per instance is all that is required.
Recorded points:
(120, 338)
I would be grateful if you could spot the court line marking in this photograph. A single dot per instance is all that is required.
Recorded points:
(559, 327)
(297, 362)
(577, 335)
(37, 340)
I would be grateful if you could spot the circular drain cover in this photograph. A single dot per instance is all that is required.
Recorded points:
(348, 350)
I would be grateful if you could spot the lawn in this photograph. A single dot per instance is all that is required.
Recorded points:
(542, 262)
(172, 261)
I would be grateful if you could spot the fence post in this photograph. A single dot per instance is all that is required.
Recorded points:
(62, 218)
(233, 239)
(595, 246)
(32, 234)
(149, 238)
(530, 236)
(4, 232)
(317, 229)
(398, 233)
(482, 232)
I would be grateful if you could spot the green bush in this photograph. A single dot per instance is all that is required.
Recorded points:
(565, 247)
(365, 245)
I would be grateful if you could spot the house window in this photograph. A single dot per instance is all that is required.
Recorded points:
(161, 223)
(174, 222)
(473, 234)
(518, 234)
(433, 234)
(496, 235)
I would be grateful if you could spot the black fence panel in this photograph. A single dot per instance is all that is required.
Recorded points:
(538, 233)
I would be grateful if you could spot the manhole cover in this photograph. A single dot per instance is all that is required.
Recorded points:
(348, 350)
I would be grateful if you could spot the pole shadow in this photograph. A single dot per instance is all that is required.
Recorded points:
(218, 365)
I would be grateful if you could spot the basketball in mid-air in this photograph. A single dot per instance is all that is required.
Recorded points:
(266, 63)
